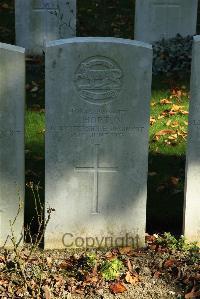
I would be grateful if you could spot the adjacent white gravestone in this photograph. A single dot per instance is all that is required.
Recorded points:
(39, 21)
(157, 19)
(97, 121)
(192, 189)
(12, 98)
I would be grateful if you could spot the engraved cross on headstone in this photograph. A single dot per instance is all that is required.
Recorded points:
(96, 169)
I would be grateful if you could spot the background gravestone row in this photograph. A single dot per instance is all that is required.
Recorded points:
(89, 14)
(45, 20)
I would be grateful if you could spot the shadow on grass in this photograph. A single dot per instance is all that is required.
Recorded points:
(165, 194)
(35, 77)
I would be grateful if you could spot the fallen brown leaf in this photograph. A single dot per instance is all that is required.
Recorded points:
(150, 238)
(174, 181)
(2, 259)
(47, 292)
(165, 132)
(91, 279)
(129, 266)
(169, 263)
(66, 265)
(125, 250)
(49, 261)
(132, 278)
(110, 255)
(117, 288)
(193, 294)
(157, 274)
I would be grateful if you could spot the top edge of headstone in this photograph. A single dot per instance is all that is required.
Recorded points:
(196, 38)
(113, 40)
(12, 48)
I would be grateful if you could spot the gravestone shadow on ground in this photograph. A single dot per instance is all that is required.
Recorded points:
(165, 198)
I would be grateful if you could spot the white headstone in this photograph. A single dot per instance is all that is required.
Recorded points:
(157, 19)
(12, 99)
(97, 122)
(192, 189)
(39, 21)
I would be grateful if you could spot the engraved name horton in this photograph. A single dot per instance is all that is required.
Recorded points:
(96, 123)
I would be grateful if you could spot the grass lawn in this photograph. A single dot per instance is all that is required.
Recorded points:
(34, 132)
(167, 147)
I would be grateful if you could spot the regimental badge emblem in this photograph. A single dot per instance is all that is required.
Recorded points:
(98, 80)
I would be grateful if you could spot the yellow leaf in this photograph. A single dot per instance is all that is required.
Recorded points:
(165, 102)
(173, 137)
(176, 108)
(184, 112)
(152, 120)
(161, 116)
(168, 122)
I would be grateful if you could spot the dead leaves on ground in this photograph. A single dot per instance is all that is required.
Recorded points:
(73, 274)
(178, 92)
(171, 137)
(176, 129)
(177, 265)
